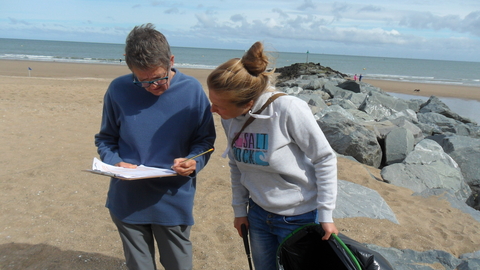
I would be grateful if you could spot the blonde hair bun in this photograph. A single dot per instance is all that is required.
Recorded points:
(255, 60)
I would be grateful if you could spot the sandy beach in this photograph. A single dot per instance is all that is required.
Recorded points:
(427, 90)
(53, 214)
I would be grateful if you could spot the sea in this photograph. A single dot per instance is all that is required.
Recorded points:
(379, 68)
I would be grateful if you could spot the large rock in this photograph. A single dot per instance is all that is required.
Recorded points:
(398, 144)
(408, 259)
(294, 90)
(408, 114)
(356, 98)
(428, 170)
(444, 124)
(324, 95)
(415, 104)
(335, 109)
(435, 105)
(344, 103)
(466, 152)
(313, 99)
(428, 130)
(350, 85)
(414, 129)
(351, 139)
(367, 88)
(354, 200)
(474, 130)
(427, 167)
(381, 105)
(335, 91)
(298, 69)
(469, 264)
(381, 129)
(315, 84)
(361, 117)
(470, 261)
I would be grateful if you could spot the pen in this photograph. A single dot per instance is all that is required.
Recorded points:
(201, 154)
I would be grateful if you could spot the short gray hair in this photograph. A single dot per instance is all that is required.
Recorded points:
(147, 48)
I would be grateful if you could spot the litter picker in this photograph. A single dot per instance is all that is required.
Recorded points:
(245, 243)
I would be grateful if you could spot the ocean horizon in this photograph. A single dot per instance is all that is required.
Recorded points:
(378, 68)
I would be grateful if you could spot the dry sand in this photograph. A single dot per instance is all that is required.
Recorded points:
(53, 214)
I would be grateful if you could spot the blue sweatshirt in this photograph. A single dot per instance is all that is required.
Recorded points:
(143, 129)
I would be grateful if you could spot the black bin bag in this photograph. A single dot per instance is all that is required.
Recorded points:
(304, 249)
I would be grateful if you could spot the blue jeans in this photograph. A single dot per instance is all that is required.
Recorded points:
(267, 231)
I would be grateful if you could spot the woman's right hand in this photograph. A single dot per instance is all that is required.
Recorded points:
(237, 223)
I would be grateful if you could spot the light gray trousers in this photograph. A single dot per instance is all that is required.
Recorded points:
(173, 244)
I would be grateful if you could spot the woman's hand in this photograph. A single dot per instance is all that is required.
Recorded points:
(329, 228)
(237, 223)
(184, 167)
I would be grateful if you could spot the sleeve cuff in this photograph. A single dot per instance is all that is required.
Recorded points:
(240, 210)
(325, 215)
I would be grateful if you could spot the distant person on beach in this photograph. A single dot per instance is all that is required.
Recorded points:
(155, 116)
(355, 77)
(360, 78)
(283, 170)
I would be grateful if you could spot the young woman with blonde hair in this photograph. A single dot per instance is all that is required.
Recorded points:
(283, 170)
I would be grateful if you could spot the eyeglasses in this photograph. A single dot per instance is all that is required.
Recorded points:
(147, 84)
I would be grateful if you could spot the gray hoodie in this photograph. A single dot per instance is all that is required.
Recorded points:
(282, 161)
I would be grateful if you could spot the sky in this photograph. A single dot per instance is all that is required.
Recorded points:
(431, 29)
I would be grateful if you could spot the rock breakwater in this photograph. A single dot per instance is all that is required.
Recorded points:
(423, 146)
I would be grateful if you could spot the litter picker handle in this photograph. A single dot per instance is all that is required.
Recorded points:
(245, 239)
(246, 244)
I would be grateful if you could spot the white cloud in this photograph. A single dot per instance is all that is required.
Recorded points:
(205, 21)
(468, 24)
(237, 18)
(370, 26)
(371, 8)
(15, 21)
(307, 4)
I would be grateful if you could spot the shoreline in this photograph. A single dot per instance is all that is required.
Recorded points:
(427, 89)
(110, 71)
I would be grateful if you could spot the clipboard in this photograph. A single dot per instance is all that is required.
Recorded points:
(141, 172)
